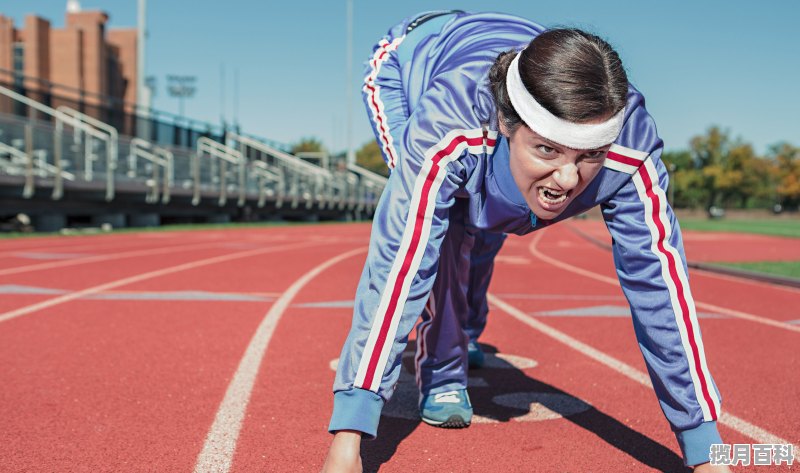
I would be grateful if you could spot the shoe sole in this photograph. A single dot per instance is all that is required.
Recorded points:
(453, 422)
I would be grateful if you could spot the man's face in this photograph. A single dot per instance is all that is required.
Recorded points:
(548, 174)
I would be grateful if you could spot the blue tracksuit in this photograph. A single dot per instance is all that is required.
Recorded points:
(435, 119)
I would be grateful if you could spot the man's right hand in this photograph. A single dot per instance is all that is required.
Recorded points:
(344, 455)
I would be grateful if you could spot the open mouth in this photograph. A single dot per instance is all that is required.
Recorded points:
(552, 197)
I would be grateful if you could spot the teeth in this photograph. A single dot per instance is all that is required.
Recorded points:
(551, 197)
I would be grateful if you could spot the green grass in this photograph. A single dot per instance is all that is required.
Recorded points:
(785, 227)
(789, 269)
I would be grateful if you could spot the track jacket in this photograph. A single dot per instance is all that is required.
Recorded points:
(428, 98)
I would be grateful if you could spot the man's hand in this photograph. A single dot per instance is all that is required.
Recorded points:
(344, 455)
(709, 468)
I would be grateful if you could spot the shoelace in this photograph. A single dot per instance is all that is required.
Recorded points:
(451, 397)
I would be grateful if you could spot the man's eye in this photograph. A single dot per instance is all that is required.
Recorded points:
(594, 155)
(544, 149)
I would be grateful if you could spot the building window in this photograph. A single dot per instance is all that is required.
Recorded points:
(19, 63)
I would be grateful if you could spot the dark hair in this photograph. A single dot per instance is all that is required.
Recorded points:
(575, 75)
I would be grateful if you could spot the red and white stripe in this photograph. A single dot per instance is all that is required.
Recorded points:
(674, 274)
(624, 159)
(412, 247)
(374, 98)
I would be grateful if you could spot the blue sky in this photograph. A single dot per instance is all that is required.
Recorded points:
(732, 64)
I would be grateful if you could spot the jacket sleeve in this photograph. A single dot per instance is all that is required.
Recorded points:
(384, 97)
(436, 148)
(650, 263)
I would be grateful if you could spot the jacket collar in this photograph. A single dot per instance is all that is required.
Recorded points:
(502, 173)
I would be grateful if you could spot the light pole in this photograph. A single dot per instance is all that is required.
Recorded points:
(181, 87)
(143, 93)
(351, 154)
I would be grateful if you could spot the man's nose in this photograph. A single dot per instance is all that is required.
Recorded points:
(566, 176)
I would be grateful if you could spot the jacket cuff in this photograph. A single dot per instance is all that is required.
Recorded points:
(356, 409)
(696, 443)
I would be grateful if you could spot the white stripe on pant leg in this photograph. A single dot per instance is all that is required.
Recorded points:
(220, 444)
(433, 192)
(403, 249)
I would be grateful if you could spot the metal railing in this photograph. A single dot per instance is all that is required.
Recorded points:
(220, 155)
(79, 127)
(59, 144)
(160, 159)
(112, 146)
(371, 187)
(264, 176)
(31, 166)
(301, 181)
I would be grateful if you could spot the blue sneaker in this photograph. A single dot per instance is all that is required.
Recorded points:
(450, 410)
(475, 355)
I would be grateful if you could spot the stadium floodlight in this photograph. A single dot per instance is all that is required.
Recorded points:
(181, 87)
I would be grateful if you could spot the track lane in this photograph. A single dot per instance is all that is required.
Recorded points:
(128, 385)
(22, 311)
(705, 246)
(169, 382)
(733, 364)
(221, 443)
(745, 301)
(298, 405)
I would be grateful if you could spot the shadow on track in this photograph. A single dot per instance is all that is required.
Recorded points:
(506, 396)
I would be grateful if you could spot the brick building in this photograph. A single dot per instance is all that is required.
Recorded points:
(82, 63)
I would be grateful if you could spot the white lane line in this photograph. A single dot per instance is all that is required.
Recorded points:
(728, 420)
(140, 277)
(205, 243)
(104, 242)
(75, 246)
(741, 280)
(94, 259)
(220, 444)
(599, 277)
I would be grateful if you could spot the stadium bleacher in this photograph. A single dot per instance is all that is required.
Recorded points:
(65, 167)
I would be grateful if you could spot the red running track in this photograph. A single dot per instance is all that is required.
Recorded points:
(130, 377)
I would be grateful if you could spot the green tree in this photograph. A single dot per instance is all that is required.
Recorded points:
(306, 145)
(786, 161)
(685, 184)
(732, 173)
(369, 157)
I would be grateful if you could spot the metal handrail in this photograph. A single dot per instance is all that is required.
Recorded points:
(59, 91)
(373, 176)
(225, 154)
(320, 178)
(157, 155)
(165, 154)
(372, 181)
(30, 164)
(62, 118)
(111, 148)
(264, 173)
(276, 153)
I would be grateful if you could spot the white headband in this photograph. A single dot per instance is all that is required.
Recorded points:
(572, 135)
